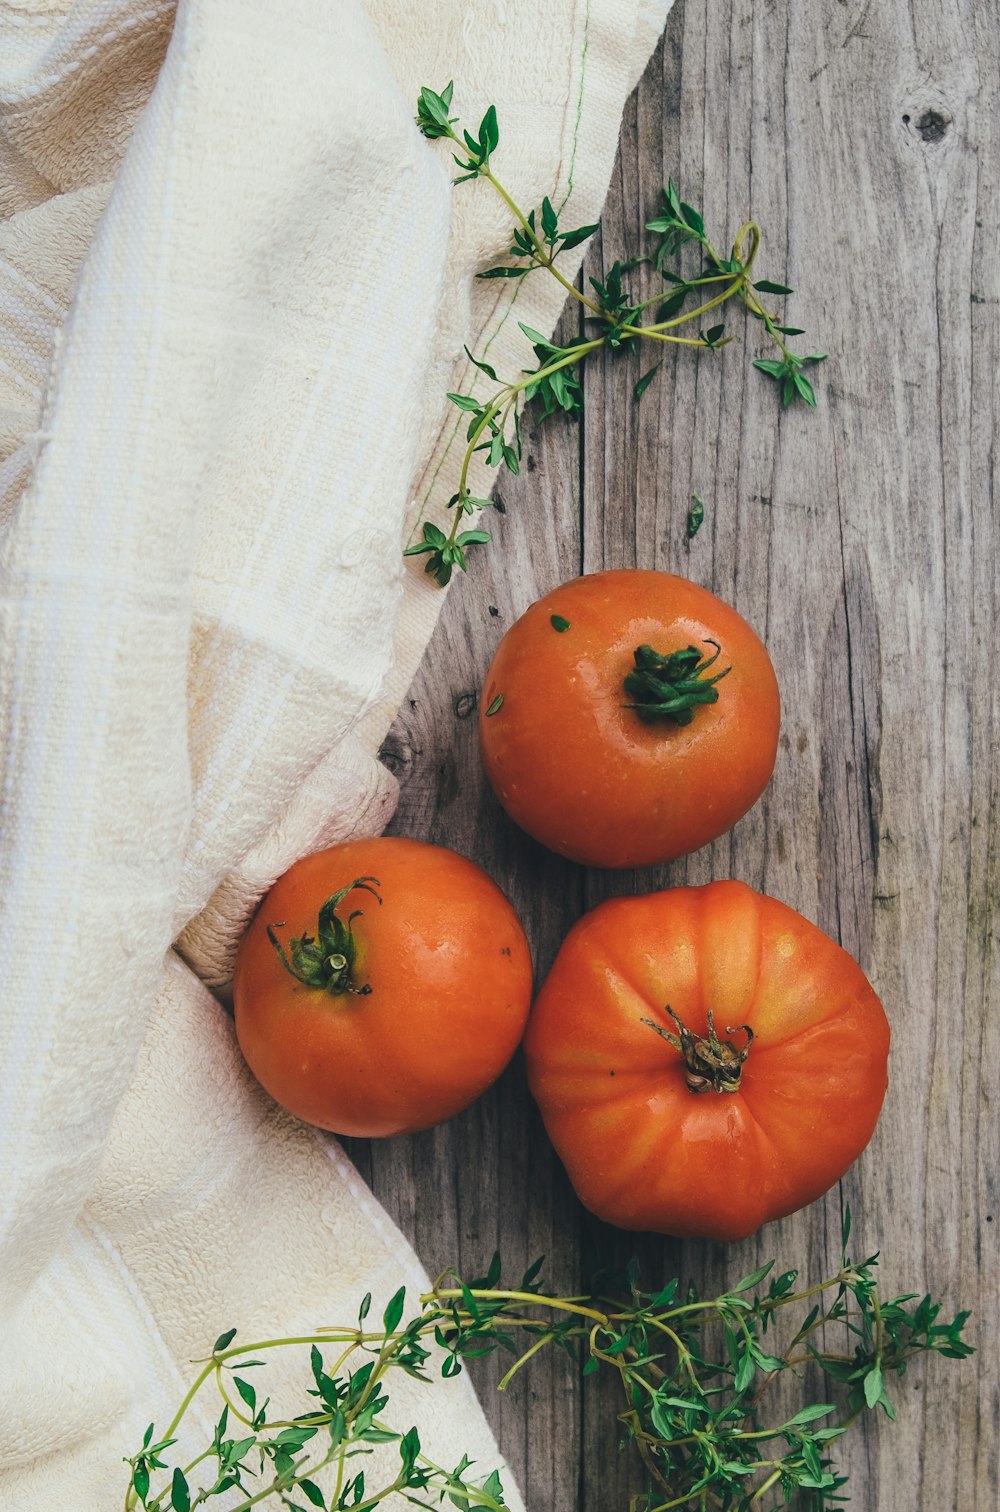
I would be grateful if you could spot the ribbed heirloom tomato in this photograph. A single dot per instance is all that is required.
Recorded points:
(381, 987)
(629, 717)
(705, 1060)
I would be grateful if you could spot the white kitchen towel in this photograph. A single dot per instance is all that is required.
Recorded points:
(235, 286)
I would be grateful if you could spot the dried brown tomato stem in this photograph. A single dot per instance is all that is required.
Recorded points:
(710, 1064)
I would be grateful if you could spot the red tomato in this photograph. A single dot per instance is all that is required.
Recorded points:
(672, 1121)
(372, 1017)
(628, 718)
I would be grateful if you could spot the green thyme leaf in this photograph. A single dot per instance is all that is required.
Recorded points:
(754, 1278)
(696, 515)
(394, 1311)
(504, 272)
(571, 239)
(645, 381)
(180, 1495)
(483, 367)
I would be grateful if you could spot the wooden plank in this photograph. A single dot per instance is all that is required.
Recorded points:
(862, 542)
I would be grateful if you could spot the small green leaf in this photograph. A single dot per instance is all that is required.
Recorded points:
(805, 388)
(495, 706)
(394, 1311)
(766, 286)
(493, 1487)
(489, 131)
(483, 367)
(550, 221)
(810, 1414)
(673, 200)
(312, 1491)
(672, 306)
(645, 381)
(558, 623)
(222, 1342)
(432, 112)
(180, 1495)
(532, 1274)
(696, 515)
(574, 238)
(294, 1438)
(247, 1392)
(768, 1361)
(773, 367)
(873, 1386)
(754, 1278)
(732, 1348)
(503, 272)
(409, 1448)
(433, 540)
(467, 402)
(745, 1372)
(693, 219)
(538, 339)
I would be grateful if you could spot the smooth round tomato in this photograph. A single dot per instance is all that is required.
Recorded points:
(628, 718)
(705, 1060)
(381, 987)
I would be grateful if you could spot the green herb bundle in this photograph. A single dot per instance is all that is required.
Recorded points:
(613, 319)
(694, 1375)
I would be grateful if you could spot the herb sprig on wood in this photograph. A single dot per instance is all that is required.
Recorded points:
(694, 1374)
(613, 318)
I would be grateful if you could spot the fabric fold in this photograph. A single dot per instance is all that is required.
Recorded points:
(223, 359)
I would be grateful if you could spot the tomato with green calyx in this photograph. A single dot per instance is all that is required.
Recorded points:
(628, 718)
(705, 1060)
(382, 986)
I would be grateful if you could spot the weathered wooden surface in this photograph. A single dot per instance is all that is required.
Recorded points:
(861, 542)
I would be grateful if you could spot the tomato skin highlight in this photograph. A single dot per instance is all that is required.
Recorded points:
(645, 1152)
(581, 771)
(450, 977)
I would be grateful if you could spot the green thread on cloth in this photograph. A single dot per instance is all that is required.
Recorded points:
(471, 389)
(579, 107)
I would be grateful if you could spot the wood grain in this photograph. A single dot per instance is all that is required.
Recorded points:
(861, 541)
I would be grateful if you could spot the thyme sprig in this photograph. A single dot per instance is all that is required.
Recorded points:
(612, 317)
(694, 1374)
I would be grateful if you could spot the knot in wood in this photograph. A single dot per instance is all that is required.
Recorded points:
(932, 126)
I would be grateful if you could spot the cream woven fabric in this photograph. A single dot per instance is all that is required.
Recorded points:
(223, 243)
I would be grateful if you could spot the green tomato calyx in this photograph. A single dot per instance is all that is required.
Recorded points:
(325, 961)
(672, 686)
(710, 1064)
